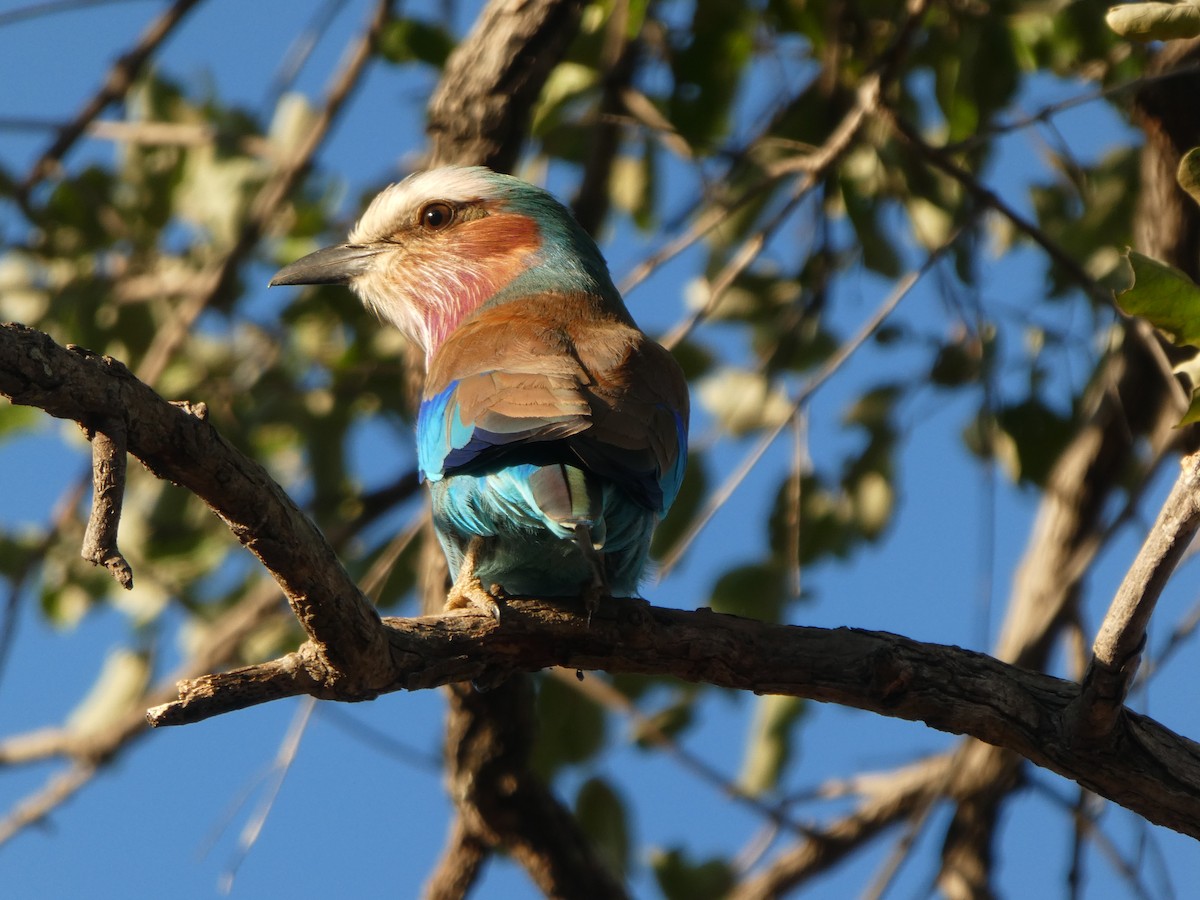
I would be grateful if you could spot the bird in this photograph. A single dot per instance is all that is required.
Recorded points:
(551, 431)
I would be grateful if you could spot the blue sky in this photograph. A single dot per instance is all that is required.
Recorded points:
(353, 819)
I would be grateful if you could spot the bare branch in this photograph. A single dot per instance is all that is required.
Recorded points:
(285, 756)
(120, 78)
(268, 201)
(108, 491)
(459, 867)
(178, 446)
(888, 798)
(1142, 765)
(57, 791)
(1117, 650)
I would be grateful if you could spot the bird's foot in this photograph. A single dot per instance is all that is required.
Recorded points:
(468, 592)
(592, 593)
(595, 588)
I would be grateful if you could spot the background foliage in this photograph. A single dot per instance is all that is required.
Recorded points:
(899, 474)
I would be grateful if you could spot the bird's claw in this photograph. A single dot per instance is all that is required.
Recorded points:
(468, 592)
(592, 594)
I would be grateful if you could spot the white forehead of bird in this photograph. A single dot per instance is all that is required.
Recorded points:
(397, 205)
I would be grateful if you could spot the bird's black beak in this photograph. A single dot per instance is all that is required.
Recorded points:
(339, 264)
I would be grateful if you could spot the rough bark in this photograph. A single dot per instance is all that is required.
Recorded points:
(479, 113)
(1141, 765)
(1132, 398)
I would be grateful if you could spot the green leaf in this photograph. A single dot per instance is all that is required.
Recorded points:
(873, 500)
(1192, 416)
(681, 879)
(412, 40)
(1188, 175)
(670, 721)
(769, 743)
(571, 727)
(1026, 438)
(756, 591)
(1164, 296)
(708, 69)
(601, 814)
(17, 419)
(957, 363)
(568, 81)
(875, 238)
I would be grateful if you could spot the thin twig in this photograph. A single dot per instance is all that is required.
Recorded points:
(119, 80)
(831, 366)
(918, 818)
(300, 50)
(606, 695)
(1087, 827)
(811, 165)
(986, 197)
(57, 791)
(749, 251)
(1121, 639)
(282, 765)
(270, 197)
(50, 8)
(1046, 113)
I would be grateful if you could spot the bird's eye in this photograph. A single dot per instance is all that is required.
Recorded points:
(436, 216)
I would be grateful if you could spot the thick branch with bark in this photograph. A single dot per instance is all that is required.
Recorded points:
(352, 655)
(479, 112)
(176, 443)
(1142, 766)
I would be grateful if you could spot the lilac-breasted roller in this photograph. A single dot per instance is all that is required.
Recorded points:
(552, 432)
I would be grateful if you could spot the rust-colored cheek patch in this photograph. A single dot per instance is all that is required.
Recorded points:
(504, 237)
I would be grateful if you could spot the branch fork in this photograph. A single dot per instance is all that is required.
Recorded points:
(1117, 651)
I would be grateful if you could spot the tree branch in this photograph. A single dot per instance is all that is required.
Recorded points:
(120, 78)
(1117, 650)
(489, 737)
(460, 865)
(1142, 765)
(176, 443)
(108, 491)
